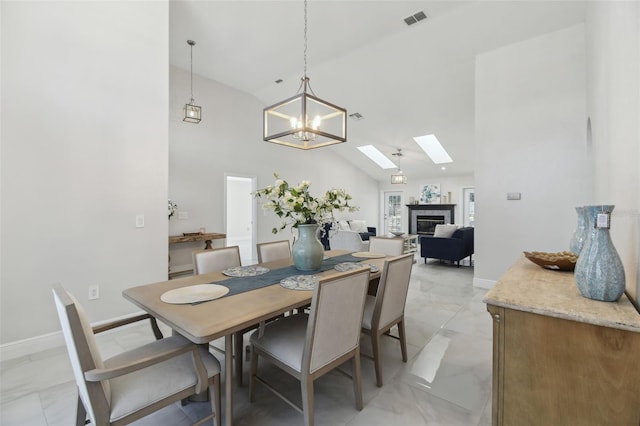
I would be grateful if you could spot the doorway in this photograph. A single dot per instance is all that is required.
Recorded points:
(240, 212)
(468, 206)
(392, 211)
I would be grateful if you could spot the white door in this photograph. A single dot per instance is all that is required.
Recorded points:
(393, 208)
(468, 206)
(240, 215)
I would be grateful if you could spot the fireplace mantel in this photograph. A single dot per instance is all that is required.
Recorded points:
(415, 210)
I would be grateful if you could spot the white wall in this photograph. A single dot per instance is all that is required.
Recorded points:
(613, 104)
(530, 138)
(84, 150)
(229, 140)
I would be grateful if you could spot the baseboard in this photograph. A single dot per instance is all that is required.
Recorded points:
(44, 342)
(482, 283)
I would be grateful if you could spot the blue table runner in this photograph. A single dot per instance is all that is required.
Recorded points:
(241, 284)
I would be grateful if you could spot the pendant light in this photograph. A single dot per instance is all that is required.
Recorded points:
(192, 112)
(398, 178)
(305, 121)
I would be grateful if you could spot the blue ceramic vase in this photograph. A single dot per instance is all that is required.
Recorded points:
(599, 272)
(307, 250)
(580, 235)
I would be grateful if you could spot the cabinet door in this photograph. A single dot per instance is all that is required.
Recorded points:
(552, 371)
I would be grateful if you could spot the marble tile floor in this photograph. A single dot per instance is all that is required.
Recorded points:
(447, 380)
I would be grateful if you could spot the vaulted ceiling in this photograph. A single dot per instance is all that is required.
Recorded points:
(404, 80)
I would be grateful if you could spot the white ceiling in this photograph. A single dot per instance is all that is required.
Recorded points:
(405, 80)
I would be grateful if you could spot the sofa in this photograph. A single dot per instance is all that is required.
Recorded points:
(347, 240)
(453, 248)
(358, 226)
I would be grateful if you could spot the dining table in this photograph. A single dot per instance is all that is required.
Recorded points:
(202, 323)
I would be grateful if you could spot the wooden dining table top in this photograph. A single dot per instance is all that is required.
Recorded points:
(207, 321)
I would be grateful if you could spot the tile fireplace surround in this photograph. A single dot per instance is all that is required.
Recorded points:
(415, 210)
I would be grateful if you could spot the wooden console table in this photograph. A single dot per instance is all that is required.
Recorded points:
(207, 238)
(176, 239)
(560, 358)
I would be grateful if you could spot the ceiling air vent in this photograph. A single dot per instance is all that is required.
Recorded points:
(416, 17)
(356, 116)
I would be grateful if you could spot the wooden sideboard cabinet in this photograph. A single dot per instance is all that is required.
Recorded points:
(560, 358)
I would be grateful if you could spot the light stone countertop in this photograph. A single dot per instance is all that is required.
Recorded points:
(530, 288)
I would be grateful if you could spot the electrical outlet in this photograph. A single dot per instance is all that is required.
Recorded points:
(94, 292)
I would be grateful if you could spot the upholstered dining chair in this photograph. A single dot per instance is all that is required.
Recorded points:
(388, 246)
(274, 250)
(133, 384)
(217, 259)
(386, 308)
(308, 346)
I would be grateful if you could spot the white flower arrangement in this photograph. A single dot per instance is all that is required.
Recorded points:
(173, 207)
(296, 206)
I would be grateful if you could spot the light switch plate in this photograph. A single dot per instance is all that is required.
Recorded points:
(139, 221)
(514, 195)
(183, 215)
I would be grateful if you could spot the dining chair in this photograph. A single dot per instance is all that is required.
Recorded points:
(388, 246)
(216, 259)
(386, 308)
(135, 383)
(307, 346)
(274, 250)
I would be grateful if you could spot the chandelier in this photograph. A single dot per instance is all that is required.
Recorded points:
(398, 178)
(192, 112)
(305, 121)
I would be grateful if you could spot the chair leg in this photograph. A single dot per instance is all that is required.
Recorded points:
(154, 327)
(214, 396)
(403, 339)
(252, 375)
(306, 385)
(375, 344)
(81, 413)
(357, 379)
(238, 355)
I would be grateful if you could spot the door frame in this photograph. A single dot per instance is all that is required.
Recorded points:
(254, 207)
(383, 199)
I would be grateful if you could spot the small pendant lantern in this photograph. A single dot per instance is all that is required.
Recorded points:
(398, 178)
(192, 112)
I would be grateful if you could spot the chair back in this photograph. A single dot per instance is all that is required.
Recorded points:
(83, 354)
(275, 250)
(392, 291)
(388, 246)
(217, 259)
(335, 319)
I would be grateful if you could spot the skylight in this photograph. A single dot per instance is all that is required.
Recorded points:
(431, 145)
(377, 157)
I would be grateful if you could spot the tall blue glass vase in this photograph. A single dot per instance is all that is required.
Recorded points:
(599, 272)
(307, 250)
(580, 235)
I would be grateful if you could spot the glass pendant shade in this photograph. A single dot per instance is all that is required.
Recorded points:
(192, 113)
(323, 124)
(398, 179)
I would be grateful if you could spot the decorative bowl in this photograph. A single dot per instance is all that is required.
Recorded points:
(397, 233)
(561, 261)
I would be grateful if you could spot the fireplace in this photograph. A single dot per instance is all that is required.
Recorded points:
(430, 215)
(426, 224)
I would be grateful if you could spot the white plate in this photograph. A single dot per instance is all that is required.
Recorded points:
(352, 266)
(245, 271)
(368, 254)
(300, 282)
(194, 293)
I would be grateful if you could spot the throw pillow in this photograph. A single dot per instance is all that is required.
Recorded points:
(343, 225)
(445, 231)
(358, 225)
